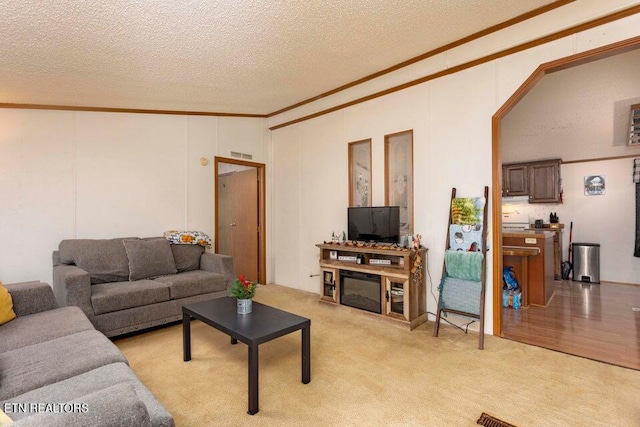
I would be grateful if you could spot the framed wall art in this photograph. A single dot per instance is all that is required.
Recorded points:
(594, 185)
(360, 173)
(398, 155)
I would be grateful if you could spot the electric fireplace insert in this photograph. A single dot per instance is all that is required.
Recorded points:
(361, 290)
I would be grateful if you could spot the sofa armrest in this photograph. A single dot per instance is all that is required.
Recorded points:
(31, 297)
(218, 263)
(72, 286)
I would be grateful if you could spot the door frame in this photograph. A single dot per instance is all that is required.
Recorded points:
(262, 229)
(546, 68)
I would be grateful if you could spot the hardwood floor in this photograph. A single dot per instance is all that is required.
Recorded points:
(588, 320)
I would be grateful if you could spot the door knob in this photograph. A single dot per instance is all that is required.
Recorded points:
(233, 224)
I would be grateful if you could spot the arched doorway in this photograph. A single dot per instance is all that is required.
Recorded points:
(534, 78)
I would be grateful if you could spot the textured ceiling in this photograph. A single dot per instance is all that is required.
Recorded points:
(234, 56)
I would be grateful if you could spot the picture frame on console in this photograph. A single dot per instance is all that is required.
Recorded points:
(398, 156)
(328, 277)
(360, 173)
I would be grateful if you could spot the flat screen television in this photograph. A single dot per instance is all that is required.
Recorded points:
(377, 223)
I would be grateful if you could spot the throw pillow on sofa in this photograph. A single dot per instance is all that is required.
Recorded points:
(187, 257)
(149, 258)
(188, 238)
(4, 419)
(104, 259)
(6, 306)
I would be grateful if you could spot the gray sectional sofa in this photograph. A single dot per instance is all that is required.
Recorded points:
(57, 370)
(128, 284)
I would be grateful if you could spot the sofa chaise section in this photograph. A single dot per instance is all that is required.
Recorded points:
(48, 362)
(117, 405)
(55, 356)
(103, 378)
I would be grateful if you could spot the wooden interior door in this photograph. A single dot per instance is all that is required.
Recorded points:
(238, 221)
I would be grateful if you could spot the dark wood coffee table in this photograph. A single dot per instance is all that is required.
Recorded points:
(263, 324)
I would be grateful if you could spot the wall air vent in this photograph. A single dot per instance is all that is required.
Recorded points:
(238, 155)
(634, 125)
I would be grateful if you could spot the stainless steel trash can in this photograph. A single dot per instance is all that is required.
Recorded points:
(586, 262)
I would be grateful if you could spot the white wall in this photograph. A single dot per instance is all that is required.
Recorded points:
(101, 175)
(451, 119)
(575, 114)
(37, 190)
(607, 219)
(314, 154)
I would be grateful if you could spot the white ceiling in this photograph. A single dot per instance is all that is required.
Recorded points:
(234, 56)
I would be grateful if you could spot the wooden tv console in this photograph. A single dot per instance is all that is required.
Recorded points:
(402, 291)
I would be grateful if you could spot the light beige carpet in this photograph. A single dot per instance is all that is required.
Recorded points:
(365, 371)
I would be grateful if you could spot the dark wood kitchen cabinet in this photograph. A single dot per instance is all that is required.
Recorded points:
(515, 180)
(540, 180)
(544, 181)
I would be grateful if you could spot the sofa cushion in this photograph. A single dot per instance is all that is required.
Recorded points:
(192, 283)
(98, 379)
(117, 405)
(149, 258)
(104, 259)
(37, 365)
(187, 257)
(108, 297)
(43, 326)
(6, 306)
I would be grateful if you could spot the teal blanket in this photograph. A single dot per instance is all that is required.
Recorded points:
(464, 265)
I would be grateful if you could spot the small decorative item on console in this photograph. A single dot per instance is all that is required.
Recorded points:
(417, 262)
(416, 241)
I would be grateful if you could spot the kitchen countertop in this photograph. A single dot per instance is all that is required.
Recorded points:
(539, 269)
(534, 232)
(520, 251)
(552, 227)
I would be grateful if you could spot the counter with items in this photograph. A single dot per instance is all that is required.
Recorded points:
(531, 254)
(519, 259)
(557, 247)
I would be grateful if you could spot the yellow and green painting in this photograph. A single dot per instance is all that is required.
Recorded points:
(467, 210)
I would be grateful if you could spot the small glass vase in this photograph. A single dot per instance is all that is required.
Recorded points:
(245, 306)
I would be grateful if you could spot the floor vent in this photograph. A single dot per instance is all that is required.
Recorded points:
(489, 421)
